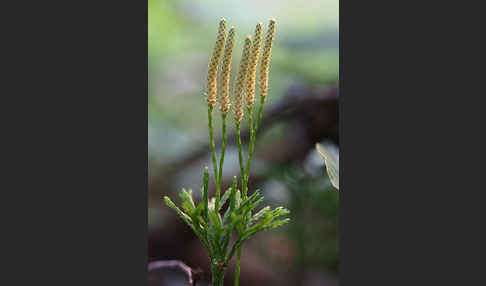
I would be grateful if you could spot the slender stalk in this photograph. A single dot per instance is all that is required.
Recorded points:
(205, 193)
(240, 156)
(253, 131)
(213, 152)
(221, 160)
(252, 145)
(244, 194)
(237, 267)
(260, 111)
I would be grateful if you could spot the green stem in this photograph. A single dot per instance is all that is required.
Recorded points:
(253, 131)
(260, 111)
(213, 151)
(221, 160)
(237, 267)
(217, 275)
(251, 147)
(240, 157)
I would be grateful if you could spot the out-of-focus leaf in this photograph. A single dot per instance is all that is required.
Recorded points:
(330, 154)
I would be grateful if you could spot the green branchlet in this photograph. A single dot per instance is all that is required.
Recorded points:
(219, 230)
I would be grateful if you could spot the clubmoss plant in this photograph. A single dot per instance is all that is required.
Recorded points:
(224, 222)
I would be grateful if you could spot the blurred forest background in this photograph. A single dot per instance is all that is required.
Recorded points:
(301, 110)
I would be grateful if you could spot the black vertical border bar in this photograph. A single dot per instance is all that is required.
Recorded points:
(389, 197)
(75, 189)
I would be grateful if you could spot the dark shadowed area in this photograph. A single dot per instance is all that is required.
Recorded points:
(301, 110)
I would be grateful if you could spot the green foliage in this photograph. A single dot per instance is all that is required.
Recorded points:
(214, 231)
